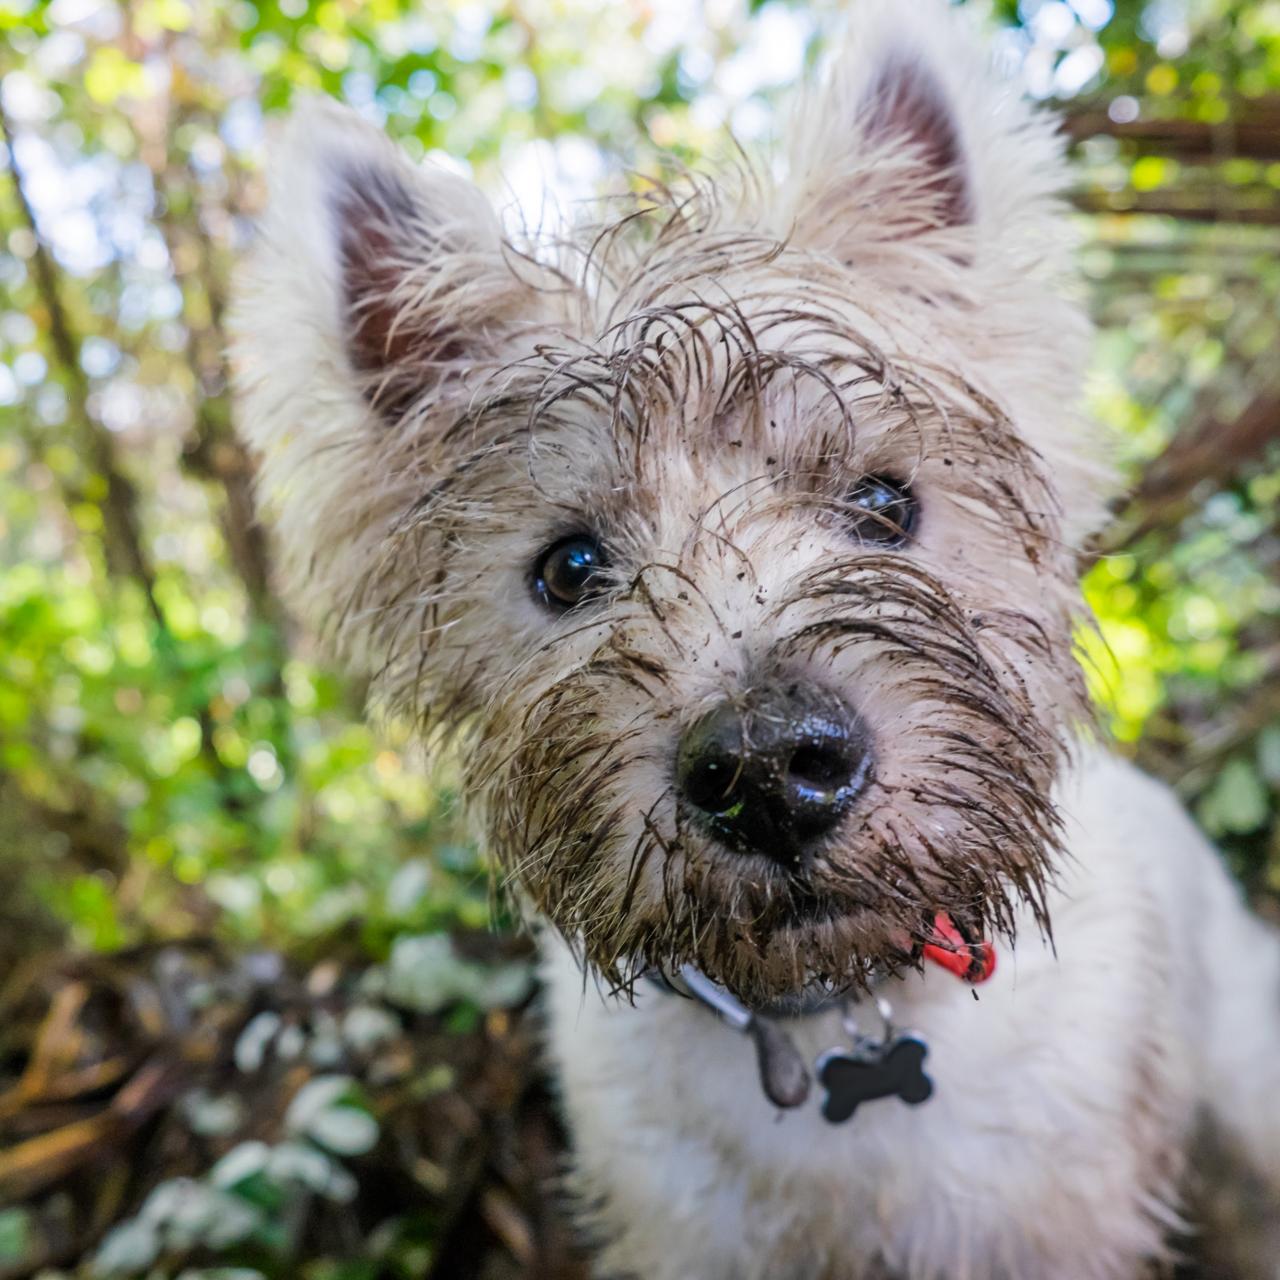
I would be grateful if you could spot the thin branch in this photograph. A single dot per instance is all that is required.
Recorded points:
(120, 505)
(1209, 453)
(1178, 204)
(1251, 131)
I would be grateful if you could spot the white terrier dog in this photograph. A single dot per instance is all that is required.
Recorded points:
(735, 540)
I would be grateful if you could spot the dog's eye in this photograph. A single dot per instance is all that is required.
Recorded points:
(882, 511)
(569, 572)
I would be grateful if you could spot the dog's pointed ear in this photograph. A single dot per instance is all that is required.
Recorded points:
(907, 110)
(402, 269)
(916, 139)
(375, 298)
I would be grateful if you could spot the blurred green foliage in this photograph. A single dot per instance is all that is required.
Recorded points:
(175, 759)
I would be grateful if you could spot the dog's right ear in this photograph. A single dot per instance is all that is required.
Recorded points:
(376, 296)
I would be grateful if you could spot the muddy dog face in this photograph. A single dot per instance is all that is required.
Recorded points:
(733, 537)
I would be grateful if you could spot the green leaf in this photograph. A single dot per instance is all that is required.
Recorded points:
(240, 1164)
(317, 1095)
(1269, 754)
(1238, 802)
(221, 1273)
(15, 1234)
(127, 1249)
(346, 1131)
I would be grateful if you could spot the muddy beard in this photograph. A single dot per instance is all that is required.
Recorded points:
(862, 908)
(960, 820)
(570, 759)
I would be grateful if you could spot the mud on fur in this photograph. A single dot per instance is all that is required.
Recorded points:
(731, 538)
(699, 383)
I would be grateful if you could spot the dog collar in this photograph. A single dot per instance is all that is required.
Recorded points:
(871, 1066)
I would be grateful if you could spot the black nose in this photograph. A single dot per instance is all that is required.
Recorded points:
(776, 770)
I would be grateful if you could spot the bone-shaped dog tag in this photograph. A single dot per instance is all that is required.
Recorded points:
(894, 1069)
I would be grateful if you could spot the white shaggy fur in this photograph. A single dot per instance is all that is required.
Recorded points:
(432, 407)
(1054, 1090)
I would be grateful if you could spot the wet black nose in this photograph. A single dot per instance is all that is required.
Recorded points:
(774, 771)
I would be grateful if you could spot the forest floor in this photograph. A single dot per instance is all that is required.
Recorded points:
(122, 1075)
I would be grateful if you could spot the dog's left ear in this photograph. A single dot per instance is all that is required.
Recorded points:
(917, 139)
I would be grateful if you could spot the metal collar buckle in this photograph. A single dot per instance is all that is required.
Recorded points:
(887, 1065)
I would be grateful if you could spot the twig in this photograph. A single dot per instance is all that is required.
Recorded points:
(120, 505)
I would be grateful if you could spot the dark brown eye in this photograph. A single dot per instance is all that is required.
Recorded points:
(882, 511)
(568, 572)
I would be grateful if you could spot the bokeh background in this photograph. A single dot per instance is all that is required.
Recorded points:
(255, 1017)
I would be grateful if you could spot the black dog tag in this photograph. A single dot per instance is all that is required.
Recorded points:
(894, 1069)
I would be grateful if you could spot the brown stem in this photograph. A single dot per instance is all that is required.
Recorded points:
(1251, 131)
(1207, 454)
(125, 549)
(1187, 208)
(214, 454)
